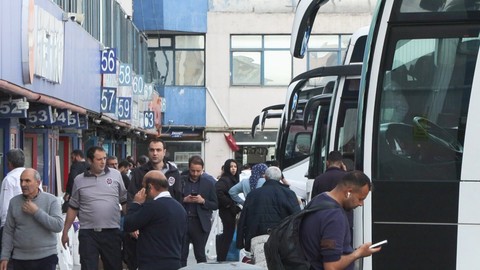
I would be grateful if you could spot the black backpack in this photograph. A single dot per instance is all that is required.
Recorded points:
(282, 249)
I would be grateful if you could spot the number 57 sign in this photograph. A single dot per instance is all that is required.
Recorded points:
(108, 100)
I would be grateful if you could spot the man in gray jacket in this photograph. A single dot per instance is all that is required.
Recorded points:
(34, 218)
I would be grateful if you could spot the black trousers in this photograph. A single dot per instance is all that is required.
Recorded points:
(130, 251)
(107, 244)
(198, 238)
(225, 239)
(47, 263)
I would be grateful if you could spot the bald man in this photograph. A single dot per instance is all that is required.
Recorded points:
(34, 218)
(162, 222)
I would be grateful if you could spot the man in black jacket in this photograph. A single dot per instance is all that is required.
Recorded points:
(162, 222)
(157, 161)
(265, 207)
(79, 165)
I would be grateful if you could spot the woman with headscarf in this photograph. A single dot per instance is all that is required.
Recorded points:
(227, 208)
(256, 180)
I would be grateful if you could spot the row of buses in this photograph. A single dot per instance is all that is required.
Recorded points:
(401, 109)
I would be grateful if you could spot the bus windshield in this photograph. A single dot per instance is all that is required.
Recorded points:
(424, 102)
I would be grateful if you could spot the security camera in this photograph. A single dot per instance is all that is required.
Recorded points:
(74, 17)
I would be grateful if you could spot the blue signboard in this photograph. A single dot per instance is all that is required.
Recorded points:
(82, 121)
(124, 108)
(63, 117)
(125, 75)
(148, 119)
(40, 115)
(10, 109)
(108, 100)
(108, 61)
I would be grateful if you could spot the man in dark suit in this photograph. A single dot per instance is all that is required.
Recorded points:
(156, 151)
(161, 221)
(199, 200)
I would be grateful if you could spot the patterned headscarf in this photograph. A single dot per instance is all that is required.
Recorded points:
(258, 171)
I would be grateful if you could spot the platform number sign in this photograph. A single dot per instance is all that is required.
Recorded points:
(125, 75)
(108, 100)
(108, 61)
(65, 117)
(149, 119)
(124, 108)
(83, 121)
(41, 115)
(138, 85)
(10, 109)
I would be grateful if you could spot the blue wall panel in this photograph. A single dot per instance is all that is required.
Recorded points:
(171, 15)
(186, 106)
(81, 71)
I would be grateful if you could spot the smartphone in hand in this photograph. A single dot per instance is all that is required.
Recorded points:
(381, 243)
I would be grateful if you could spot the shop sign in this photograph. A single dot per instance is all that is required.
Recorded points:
(10, 109)
(40, 115)
(108, 100)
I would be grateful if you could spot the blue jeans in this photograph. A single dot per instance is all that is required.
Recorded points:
(106, 244)
(47, 263)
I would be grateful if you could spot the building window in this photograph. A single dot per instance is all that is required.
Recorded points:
(177, 60)
(180, 152)
(260, 60)
(326, 50)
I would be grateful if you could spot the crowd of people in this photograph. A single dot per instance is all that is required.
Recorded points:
(146, 214)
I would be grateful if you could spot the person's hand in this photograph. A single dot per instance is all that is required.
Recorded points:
(197, 199)
(3, 265)
(194, 199)
(66, 197)
(365, 250)
(140, 197)
(29, 207)
(134, 234)
(65, 239)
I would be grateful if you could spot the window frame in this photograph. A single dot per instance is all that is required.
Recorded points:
(262, 51)
(174, 49)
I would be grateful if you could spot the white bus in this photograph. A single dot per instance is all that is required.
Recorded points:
(416, 134)
(312, 91)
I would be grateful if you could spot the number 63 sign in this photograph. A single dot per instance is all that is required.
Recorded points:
(148, 119)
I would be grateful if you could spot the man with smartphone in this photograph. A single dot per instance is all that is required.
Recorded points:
(199, 200)
(325, 235)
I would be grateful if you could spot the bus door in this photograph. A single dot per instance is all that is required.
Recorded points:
(415, 116)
